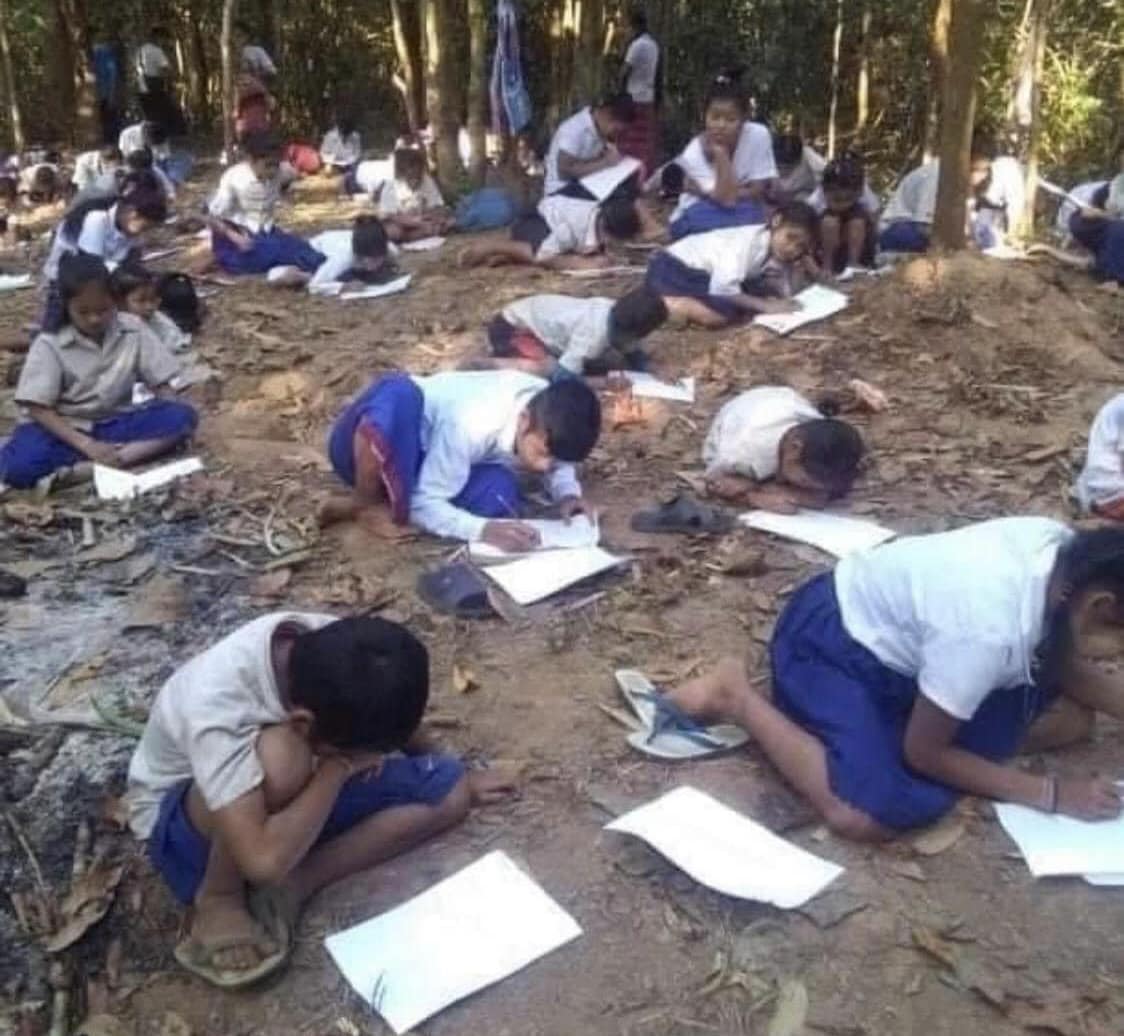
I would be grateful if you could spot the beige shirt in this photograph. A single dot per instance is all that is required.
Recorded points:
(87, 381)
(205, 722)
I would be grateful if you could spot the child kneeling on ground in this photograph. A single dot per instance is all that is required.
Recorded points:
(268, 768)
(77, 387)
(1100, 486)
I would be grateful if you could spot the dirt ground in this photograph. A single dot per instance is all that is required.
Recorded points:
(994, 371)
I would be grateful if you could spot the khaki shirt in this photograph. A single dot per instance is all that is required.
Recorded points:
(86, 381)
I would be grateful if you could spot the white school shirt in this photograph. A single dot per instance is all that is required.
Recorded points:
(246, 201)
(372, 174)
(205, 721)
(579, 138)
(168, 331)
(27, 176)
(132, 139)
(470, 418)
(152, 63)
(573, 330)
(753, 161)
(399, 197)
(1007, 187)
(1102, 479)
(745, 436)
(98, 236)
(915, 198)
(867, 199)
(257, 61)
(643, 59)
(961, 612)
(573, 227)
(729, 255)
(804, 178)
(336, 149)
(335, 246)
(88, 170)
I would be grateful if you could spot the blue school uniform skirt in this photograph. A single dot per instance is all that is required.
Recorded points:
(389, 413)
(1105, 239)
(707, 214)
(274, 247)
(833, 687)
(669, 276)
(904, 236)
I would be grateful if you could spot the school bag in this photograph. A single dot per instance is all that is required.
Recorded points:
(179, 300)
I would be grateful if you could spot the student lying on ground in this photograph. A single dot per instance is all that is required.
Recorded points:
(728, 168)
(363, 254)
(442, 452)
(772, 449)
(341, 148)
(244, 237)
(269, 768)
(1100, 486)
(848, 212)
(562, 233)
(908, 217)
(135, 292)
(912, 673)
(97, 171)
(706, 273)
(76, 388)
(559, 335)
(799, 169)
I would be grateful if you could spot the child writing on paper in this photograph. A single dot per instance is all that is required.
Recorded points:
(706, 273)
(362, 254)
(283, 758)
(135, 292)
(1100, 486)
(912, 673)
(585, 143)
(342, 147)
(76, 387)
(443, 452)
(410, 205)
(848, 212)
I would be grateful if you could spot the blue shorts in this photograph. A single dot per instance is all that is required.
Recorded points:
(270, 248)
(179, 852)
(706, 214)
(671, 277)
(904, 235)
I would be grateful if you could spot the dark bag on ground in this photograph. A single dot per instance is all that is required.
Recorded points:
(179, 300)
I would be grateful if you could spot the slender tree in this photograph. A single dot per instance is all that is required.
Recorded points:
(226, 47)
(74, 24)
(477, 88)
(1026, 102)
(437, 19)
(406, 27)
(862, 89)
(15, 118)
(836, 48)
(938, 73)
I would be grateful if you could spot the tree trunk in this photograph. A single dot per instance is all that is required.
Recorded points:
(226, 47)
(589, 22)
(862, 90)
(938, 73)
(271, 25)
(75, 24)
(442, 117)
(836, 48)
(407, 44)
(957, 116)
(1041, 19)
(198, 72)
(477, 89)
(15, 119)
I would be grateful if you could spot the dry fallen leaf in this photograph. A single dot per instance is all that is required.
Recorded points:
(939, 837)
(271, 584)
(791, 1011)
(159, 602)
(87, 902)
(908, 869)
(107, 550)
(464, 679)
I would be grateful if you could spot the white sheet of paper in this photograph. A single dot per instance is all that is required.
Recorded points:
(113, 484)
(727, 851)
(836, 534)
(1104, 880)
(816, 303)
(650, 387)
(1004, 251)
(476, 927)
(554, 534)
(159, 253)
(537, 576)
(14, 281)
(854, 273)
(423, 244)
(377, 291)
(602, 183)
(1061, 192)
(591, 273)
(1053, 844)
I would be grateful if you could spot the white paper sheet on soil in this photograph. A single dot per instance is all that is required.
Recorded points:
(472, 929)
(816, 303)
(836, 534)
(1055, 845)
(727, 851)
(377, 291)
(114, 484)
(422, 244)
(648, 386)
(554, 534)
(538, 576)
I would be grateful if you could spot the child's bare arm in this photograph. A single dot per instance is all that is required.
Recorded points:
(571, 261)
(368, 473)
(61, 428)
(760, 304)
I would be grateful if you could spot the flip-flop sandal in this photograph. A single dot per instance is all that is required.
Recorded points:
(669, 733)
(682, 514)
(457, 589)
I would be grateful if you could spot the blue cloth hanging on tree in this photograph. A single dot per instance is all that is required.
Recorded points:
(511, 103)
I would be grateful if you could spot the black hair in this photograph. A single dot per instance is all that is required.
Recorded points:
(635, 316)
(620, 106)
(9, 189)
(44, 184)
(140, 159)
(409, 159)
(788, 148)
(129, 276)
(638, 19)
(261, 144)
(110, 152)
(368, 237)
(797, 214)
(77, 270)
(983, 145)
(569, 414)
(346, 124)
(672, 179)
(830, 451)
(364, 679)
(727, 86)
(845, 173)
(1091, 559)
(620, 218)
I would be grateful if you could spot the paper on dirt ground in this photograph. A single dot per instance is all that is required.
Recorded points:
(727, 851)
(114, 484)
(484, 923)
(816, 303)
(377, 291)
(14, 281)
(554, 534)
(538, 576)
(836, 534)
(591, 273)
(1055, 845)
(422, 244)
(648, 386)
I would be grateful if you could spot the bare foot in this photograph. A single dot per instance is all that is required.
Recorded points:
(378, 522)
(490, 786)
(717, 694)
(336, 509)
(728, 487)
(239, 942)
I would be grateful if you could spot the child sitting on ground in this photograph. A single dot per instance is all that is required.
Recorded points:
(1100, 486)
(244, 237)
(341, 148)
(548, 335)
(97, 171)
(269, 768)
(442, 452)
(562, 234)
(585, 143)
(799, 169)
(136, 292)
(848, 212)
(706, 273)
(410, 205)
(770, 448)
(914, 671)
(76, 387)
(360, 254)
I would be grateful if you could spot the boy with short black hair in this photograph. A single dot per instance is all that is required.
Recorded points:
(263, 775)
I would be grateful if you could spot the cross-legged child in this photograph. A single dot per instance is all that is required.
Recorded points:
(342, 147)
(443, 452)
(848, 212)
(1100, 486)
(410, 204)
(269, 768)
(136, 292)
(910, 674)
(562, 233)
(364, 253)
(771, 448)
(706, 273)
(76, 387)
(549, 335)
